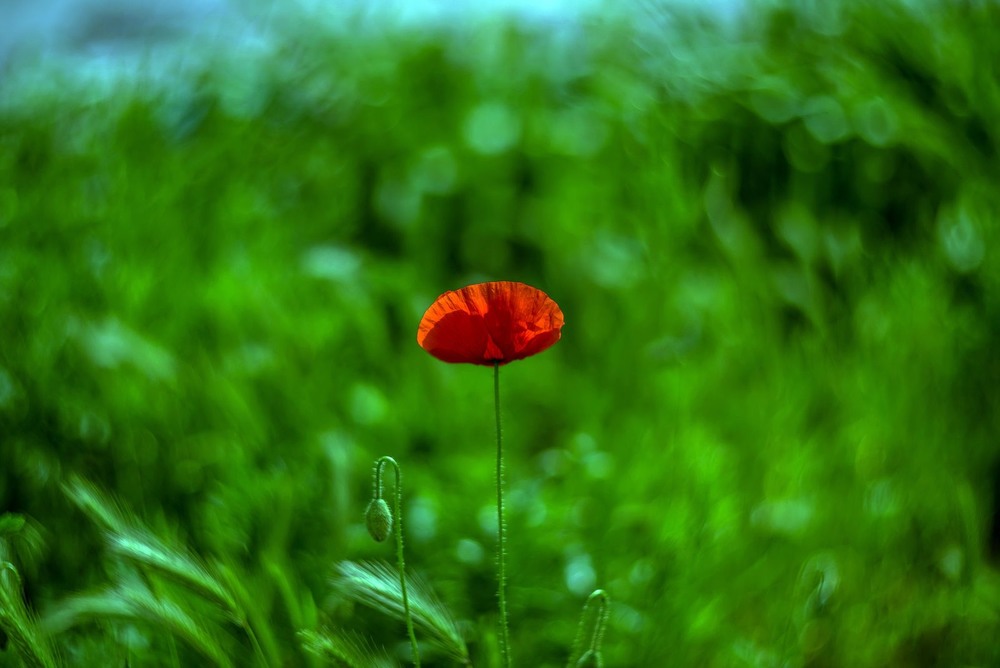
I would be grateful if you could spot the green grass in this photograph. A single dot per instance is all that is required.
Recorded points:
(769, 432)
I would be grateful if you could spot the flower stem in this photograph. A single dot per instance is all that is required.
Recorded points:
(501, 529)
(398, 526)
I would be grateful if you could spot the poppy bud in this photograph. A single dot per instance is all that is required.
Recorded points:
(378, 519)
(590, 659)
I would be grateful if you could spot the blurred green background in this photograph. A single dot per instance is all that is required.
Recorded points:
(770, 431)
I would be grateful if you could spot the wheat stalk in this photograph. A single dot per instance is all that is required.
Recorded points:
(377, 586)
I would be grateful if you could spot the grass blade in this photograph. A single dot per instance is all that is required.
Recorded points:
(344, 648)
(17, 621)
(134, 602)
(128, 538)
(148, 551)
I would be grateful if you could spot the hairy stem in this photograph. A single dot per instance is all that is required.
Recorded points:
(398, 530)
(501, 529)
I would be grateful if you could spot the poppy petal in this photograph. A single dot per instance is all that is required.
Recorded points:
(488, 323)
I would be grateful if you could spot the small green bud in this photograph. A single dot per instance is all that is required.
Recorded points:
(590, 659)
(378, 519)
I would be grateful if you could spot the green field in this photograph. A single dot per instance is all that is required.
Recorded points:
(770, 432)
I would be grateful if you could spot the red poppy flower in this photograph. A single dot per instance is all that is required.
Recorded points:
(489, 323)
